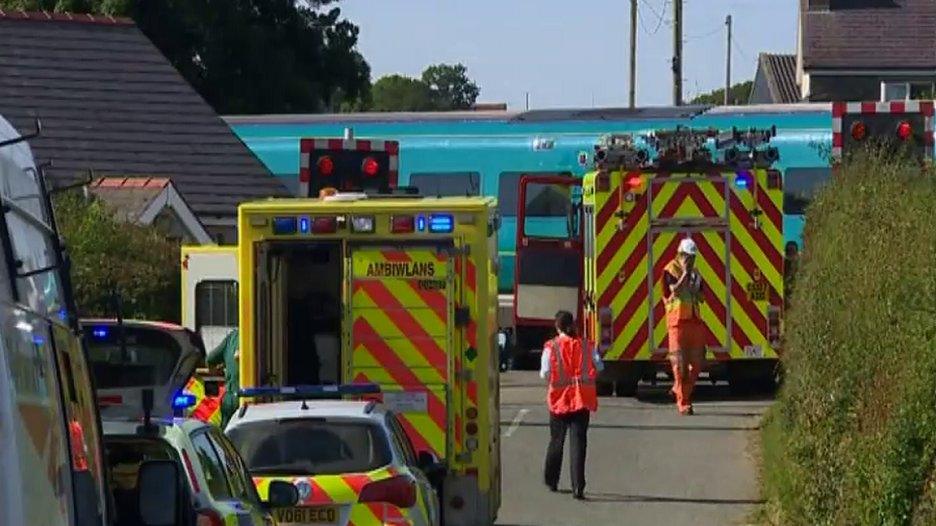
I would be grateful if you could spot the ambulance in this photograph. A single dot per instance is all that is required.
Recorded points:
(372, 284)
(645, 195)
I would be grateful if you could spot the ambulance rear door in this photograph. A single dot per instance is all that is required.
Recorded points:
(399, 329)
(209, 292)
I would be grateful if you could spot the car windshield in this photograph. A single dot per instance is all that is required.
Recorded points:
(149, 358)
(311, 446)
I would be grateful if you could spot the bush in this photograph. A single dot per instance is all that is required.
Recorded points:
(852, 437)
(112, 256)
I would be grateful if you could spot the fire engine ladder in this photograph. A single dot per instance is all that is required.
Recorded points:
(688, 225)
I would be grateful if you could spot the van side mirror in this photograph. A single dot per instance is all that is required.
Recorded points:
(158, 493)
(212, 388)
(426, 460)
(281, 494)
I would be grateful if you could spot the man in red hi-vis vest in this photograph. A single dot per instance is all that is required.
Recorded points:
(686, 331)
(572, 398)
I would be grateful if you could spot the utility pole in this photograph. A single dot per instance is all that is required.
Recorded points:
(527, 101)
(728, 60)
(677, 52)
(633, 55)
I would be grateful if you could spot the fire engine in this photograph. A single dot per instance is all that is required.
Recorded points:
(645, 195)
(386, 287)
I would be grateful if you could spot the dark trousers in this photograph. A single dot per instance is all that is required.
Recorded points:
(577, 424)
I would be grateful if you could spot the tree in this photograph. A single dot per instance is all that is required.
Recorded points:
(451, 86)
(739, 94)
(252, 56)
(110, 256)
(401, 93)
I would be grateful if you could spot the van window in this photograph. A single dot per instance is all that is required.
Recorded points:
(800, 185)
(216, 304)
(212, 467)
(149, 358)
(447, 184)
(508, 190)
(124, 457)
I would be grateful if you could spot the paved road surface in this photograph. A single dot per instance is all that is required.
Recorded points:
(646, 464)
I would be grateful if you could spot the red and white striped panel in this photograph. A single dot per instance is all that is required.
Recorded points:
(307, 146)
(840, 109)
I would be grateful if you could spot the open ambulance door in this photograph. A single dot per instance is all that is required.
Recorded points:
(209, 292)
(549, 257)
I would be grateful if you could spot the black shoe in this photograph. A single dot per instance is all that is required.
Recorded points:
(552, 488)
(578, 495)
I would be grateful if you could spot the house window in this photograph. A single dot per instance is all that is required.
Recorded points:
(906, 90)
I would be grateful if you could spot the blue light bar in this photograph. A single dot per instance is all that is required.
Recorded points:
(420, 223)
(441, 223)
(183, 401)
(283, 226)
(743, 180)
(309, 391)
(304, 225)
(99, 332)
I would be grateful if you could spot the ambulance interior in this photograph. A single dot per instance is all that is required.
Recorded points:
(299, 323)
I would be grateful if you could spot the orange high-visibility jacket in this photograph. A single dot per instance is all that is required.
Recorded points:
(571, 377)
(680, 307)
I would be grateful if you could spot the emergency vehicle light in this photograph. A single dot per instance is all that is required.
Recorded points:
(402, 224)
(99, 332)
(324, 225)
(421, 223)
(183, 401)
(284, 225)
(441, 223)
(362, 224)
(304, 225)
(743, 180)
(859, 131)
(309, 391)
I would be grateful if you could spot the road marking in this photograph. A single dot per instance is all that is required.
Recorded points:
(516, 422)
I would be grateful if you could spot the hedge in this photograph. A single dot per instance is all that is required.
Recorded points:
(852, 437)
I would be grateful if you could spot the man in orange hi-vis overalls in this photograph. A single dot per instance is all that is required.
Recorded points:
(682, 290)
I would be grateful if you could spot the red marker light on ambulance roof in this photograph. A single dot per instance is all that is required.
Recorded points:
(370, 167)
(859, 131)
(904, 131)
(325, 165)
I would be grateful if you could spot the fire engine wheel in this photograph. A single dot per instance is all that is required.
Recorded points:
(625, 388)
(604, 388)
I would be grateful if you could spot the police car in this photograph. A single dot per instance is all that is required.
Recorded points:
(350, 460)
(165, 469)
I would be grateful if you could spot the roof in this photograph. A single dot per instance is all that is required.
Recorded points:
(111, 102)
(141, 199)
(870, 34)
(316, 409)
(780, 74)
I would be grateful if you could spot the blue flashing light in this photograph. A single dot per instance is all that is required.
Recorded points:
(743, 180)
(99, 332)
(441, 223)
(420, 223)
(309, 391)
(284, 226)
(305, 226)
(183, 401)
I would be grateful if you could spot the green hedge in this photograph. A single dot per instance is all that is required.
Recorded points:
(852, 438)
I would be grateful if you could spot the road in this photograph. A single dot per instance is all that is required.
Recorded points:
(646, 464)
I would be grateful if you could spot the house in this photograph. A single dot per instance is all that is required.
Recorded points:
(151, 201)
(110, 102)
(866, 49)
(775, 80)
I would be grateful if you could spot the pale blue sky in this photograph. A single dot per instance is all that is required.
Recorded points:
(569, 53)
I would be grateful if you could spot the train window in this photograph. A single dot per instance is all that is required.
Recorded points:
(800, 185)
(508, 190)
(216, 304)
(447, 184)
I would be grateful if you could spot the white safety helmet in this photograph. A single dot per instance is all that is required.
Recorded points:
(688, 246)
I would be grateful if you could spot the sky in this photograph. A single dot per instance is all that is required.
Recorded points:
(569, 53)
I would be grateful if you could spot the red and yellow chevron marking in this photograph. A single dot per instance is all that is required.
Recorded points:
(206, 408)
(752, 255)
(400, 333)
(344, 490)
(469, 339)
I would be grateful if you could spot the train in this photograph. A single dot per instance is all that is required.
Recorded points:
(486, 152)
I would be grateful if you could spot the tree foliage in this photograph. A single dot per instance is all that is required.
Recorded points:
(111, 256)
(442, 87)
(739, 94)
(254, 56)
